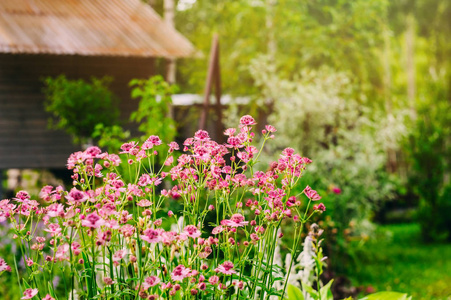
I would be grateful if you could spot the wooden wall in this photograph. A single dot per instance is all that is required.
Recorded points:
(25, 140)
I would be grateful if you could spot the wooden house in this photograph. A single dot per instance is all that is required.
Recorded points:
(78, 38)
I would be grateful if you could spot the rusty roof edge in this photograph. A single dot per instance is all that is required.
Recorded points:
(164, 41)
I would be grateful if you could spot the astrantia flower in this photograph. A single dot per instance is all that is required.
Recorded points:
(108, 281)
(320, 207)
(127, 147)
(92, 152)
(270, 128)
(55, 210)
(153, 140)
(76, 197)
(173, 146)
(191, 231)
(152, 235)
(144, 203)
(21, 196)
(288, 152)
(118, 256)
(29, 293)
(180, 272)
(54, 229)
(218, 229)
(213, 280)
(93, 221)
(230, 131)
(4, 266)
(336, 190)
(201, 135)
(234, 142)
(226, 268)
(127, 230)
(237, 220)
(62, 253)
(247, 120)
(150, 281)
(311, 194)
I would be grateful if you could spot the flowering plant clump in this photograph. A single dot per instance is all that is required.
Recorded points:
(210, 231)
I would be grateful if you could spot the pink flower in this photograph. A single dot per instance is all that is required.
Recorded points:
(234, 142)
(311, 194)
(169, 161)
(152, 235)
(93, 221)
(144, 203)
(201, 135)
(45, 193)
(270, 128)
(114, 159)
(62, 252)
(191, 231)
(76, 197)
(127, 230)
(29, 293)
(247, 120)
(118, 256)
(180, 272)
(153, 140)
(108, 281)
(336, 190)
(213, 280)
(218, 229)
(92, 152)
(127, 147)
(230, 131)
(320, 207)
(48, 297)
(237, 220)
(4, 266)
(29, 262)
(54, 229)
(150, 281)
(173, 146)
(226, 268)
(167, 237)
(55, 210)
(21, 196)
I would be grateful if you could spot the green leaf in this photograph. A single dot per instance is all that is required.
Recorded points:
(51, 290)
(177, 296)
(88, 271)
(387, 296)
(25, 283)
(294, 293)
(325, 293)
(310, 290)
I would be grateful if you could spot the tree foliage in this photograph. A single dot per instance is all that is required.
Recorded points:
(77, 106)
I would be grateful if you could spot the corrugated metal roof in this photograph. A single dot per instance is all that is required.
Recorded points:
(88, 27)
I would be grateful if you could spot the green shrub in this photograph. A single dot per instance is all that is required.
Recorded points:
(77, 106)
(430, 151)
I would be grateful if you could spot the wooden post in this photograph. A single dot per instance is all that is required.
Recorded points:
(410, 64)
(169, 12)
(213, 73)
(1, 183)
(272, 45)
(217, 75)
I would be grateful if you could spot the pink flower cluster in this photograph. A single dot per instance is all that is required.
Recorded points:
(117, 224)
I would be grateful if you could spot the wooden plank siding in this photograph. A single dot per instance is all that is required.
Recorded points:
(25, 140)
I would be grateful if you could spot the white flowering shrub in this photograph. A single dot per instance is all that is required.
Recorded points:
(322, 115)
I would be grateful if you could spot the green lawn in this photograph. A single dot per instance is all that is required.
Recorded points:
(403, 263)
